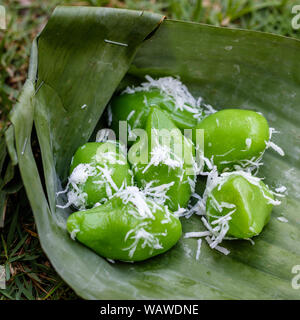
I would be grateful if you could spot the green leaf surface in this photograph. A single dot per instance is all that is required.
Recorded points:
(7, 171)
(230, 69)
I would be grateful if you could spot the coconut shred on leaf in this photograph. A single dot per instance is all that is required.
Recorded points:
(271, 144)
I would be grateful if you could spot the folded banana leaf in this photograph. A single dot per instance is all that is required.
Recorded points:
(10, 181)
(77, 63)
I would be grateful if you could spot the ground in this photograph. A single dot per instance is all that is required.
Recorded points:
(29, 272)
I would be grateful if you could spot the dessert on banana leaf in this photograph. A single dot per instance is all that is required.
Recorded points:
(131, 201)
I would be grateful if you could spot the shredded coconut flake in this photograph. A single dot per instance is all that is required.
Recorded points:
(174, 90)
(130, 115)
(282, 219)
(158, 193)
(197, 234)
(133, 195)
(270, 144)
(148, 239)
(275, 147)
(199, 242)
(73, 233)
(281, 189)
(248, 143)
(161, 154)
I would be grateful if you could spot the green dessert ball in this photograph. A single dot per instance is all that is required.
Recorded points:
(97, 171)
(167, 167)
(234, 138)
(245, 200)
(128, 227)
(135, 108)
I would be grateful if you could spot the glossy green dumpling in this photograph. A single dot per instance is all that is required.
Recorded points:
(165, 165)
(129, 227)
(247, 198)
(234, 138)
(97, 171)
(135, 108)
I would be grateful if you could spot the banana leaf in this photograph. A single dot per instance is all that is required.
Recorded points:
(10, 181)
(73, 65)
